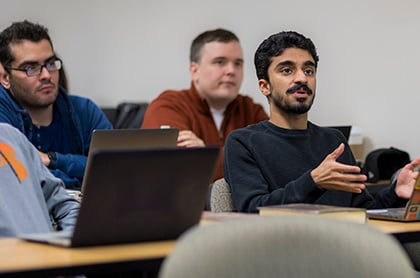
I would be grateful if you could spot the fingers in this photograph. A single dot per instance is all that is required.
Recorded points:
(346, 179)
(334, 175)
(184, 136)
(340, 167)
(345, 168)
(44, 158)
(355, 186)
(337, 152)
(187, 138)
(414, 165)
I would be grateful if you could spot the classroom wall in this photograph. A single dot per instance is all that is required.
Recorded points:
(131, 50)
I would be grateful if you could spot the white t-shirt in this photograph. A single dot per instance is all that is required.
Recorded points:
(218, 116)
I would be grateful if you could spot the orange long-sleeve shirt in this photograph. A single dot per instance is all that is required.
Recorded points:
(186, 110)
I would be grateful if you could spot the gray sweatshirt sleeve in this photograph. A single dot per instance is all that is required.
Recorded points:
(63, 208)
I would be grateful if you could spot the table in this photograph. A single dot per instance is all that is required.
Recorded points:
(404, 231)
(21, 258)
(18, 258)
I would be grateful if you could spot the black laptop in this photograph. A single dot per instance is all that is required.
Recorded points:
(139, 195)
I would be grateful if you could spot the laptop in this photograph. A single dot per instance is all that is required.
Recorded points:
(104, 139)
(139, 195)
(409, 213)
(134, 138)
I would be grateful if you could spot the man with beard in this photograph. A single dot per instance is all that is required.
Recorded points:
(289, 159)
(57, 124)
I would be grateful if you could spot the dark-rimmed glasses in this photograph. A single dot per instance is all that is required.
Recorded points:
(34, 70)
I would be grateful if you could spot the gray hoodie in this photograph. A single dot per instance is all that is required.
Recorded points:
(32, 200)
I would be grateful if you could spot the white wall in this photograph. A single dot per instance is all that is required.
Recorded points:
(131, 50)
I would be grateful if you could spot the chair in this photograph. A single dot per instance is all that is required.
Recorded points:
(110, 113)
(126, 114)
(413, 251)
(130, 115)
(286, 246)
(221, 197)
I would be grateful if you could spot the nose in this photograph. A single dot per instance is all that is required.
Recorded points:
(301, 77)
(230, 68)
(44, 74)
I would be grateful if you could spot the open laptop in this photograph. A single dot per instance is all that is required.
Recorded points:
(139, 195)
(133, 138)
(408, 213)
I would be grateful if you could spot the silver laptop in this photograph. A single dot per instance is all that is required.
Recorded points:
(133, 138)
(409, 213)
(139, 195)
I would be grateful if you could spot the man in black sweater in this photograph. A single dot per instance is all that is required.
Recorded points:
(288, 159)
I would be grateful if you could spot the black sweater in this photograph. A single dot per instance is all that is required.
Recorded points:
(268, 165)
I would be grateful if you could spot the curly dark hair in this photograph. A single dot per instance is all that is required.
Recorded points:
(17, 32)
(274, 46)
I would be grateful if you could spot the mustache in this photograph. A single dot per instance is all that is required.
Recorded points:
(46, 83)
(299, 87)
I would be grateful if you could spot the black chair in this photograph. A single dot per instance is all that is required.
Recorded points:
(126, 114)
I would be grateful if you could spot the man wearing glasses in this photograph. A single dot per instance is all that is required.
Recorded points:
(58, 125)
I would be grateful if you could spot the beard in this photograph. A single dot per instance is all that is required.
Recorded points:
(283, 104)
(31, 99)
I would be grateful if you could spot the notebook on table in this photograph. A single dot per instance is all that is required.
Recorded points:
(408, 213)
(139, 195)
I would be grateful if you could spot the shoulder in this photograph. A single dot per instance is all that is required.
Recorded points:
(6, 128)
(82, 103)
(327, 132)
(10, 134)
(3, 92)
(6, 99)
(172, 95)
(248, 131)
(173, 100)
(76, 100)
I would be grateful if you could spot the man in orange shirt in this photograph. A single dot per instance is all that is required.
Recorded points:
(212, 107)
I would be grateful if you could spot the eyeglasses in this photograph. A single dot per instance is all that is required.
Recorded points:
(34, 70)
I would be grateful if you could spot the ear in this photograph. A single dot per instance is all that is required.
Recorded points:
(4, 78)
(265, 87)
(194, 67)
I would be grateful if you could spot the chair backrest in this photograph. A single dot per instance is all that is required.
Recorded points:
(130, 115)
(126, 114)
(221, 197)
(286, 246)
(110, 113)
